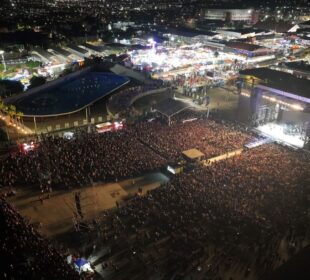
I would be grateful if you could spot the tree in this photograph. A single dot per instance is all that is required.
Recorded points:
(33, 64)
(66, 71)
(3, 135)
(36, 81)
(9, 88)
(19, 116)
(11, 111)
(2, 106)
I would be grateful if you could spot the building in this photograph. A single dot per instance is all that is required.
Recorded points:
(305, 24)
(241, 33)
(250, 50)
(78, 51)
(232, 15)
(300, 68)
(45, 56)
(187, 35)
(278, 26)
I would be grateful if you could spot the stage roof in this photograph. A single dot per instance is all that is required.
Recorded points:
(299, 65)
(170, 107)
(193, 154)
(280, 81)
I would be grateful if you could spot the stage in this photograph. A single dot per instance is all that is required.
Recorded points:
(277, 132)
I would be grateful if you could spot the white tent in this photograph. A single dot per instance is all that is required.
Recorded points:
(82, 265)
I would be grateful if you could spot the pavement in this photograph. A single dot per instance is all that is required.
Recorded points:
(54, 216)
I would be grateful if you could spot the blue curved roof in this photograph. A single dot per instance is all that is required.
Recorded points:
(70, 96)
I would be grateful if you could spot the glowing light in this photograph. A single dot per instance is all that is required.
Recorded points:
(277, 132)
(297, 107)
(28, 147)
(245, 94)
(279, 101)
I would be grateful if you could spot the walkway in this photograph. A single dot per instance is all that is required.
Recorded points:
(210, 161)
(56, 221)
(21, 128)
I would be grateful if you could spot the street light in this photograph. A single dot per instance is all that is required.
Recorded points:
(3, 61)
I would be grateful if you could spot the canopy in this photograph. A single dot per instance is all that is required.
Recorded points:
(169, 107)
(193, 154)
(80, 262)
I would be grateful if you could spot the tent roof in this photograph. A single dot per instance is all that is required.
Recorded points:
(193, 154)
(170, 107)
(80, 262)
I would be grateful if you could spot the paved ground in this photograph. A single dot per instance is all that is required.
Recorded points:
(147, 101)
(223, 99)
(55, 215)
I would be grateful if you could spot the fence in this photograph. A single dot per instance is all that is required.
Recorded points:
(58, 127)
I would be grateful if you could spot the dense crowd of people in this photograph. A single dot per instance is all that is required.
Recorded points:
(246, 215)
(93, 157)
(240, 216)
(25, 254)
(90, 157)
(190, 80)
(208, 136)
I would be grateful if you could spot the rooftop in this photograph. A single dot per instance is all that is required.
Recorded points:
(280, 80)
(193, 154)
(170, 107)
(62, 51)
(280, 26)
(77, 49)
(246, 30)
(67, 95)
(187, 32)
(305, 22)
(302, 65)
(243, 46)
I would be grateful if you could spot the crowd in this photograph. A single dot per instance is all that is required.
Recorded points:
(246, 215)
(193, 79)
(93, 157)
(208, 136)
(90, 157)
(25, 254)
(243, 215)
